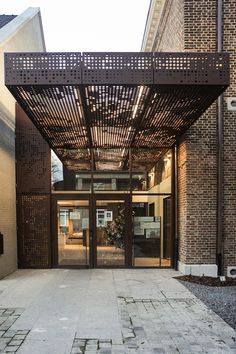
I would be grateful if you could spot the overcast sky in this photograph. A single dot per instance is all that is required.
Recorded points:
(88, 25)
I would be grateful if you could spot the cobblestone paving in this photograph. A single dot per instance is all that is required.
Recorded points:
(153, 326)
(10, 340)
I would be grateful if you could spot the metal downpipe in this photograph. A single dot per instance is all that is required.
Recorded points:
(220, 240)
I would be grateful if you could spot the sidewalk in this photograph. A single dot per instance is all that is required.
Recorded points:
(106, 311)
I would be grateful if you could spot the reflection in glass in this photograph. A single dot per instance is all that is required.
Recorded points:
(56, 172)
(110, 227)
(83, 181)
(111, 181)
(152, 231)
(159, 177)
(73, 232)
(139, 181)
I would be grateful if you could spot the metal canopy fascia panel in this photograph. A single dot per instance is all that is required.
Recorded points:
(116, 68)
(80, 101)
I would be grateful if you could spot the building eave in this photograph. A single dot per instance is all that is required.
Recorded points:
(152, 22)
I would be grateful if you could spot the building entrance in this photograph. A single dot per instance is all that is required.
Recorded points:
(112, 230)
(92, 232)
(73, 233)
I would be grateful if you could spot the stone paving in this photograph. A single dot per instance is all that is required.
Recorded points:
(10, 340)
(106, 312)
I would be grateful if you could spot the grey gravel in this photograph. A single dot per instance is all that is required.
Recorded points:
(222, 300)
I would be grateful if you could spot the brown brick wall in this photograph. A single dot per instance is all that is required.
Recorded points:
(170, 35)
(200, 26)
(229, 212)
(192, 26)
(182, 200)
(197, 150)
(201, 191)
(201, 145)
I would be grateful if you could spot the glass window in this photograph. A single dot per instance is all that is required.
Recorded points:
(73, 232)
(152, 230)
(159, 177)
(139, 181)
(111, 181)
(83, 181)
(110, 232)
(56, 172)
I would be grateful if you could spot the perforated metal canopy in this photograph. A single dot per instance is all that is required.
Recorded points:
(103, 104)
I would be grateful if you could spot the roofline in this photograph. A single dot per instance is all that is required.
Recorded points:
(9, 30)
(146, 24)
(153, 19)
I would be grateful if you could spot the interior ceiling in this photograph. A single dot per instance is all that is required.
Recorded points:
(96, 106)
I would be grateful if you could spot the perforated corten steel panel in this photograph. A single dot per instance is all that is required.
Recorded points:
(119, 101)
(110, 159)
(117, 68)
(160, 126)
(191, 68)
(76, 159)
(42, 68)
(33, 213)
(144, 159)
(33, 157)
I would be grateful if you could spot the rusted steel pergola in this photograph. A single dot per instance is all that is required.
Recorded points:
(95, 109)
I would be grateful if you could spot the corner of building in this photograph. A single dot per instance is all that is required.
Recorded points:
(22, 33)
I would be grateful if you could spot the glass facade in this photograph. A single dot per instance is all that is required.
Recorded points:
(134, 226)
(152, 229)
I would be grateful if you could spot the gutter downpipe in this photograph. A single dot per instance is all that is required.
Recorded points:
(175, 207)
(220, 240)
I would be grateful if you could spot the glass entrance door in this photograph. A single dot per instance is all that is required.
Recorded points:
(73, 232)
(110, 233)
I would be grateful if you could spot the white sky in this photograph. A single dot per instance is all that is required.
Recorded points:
(87, 25)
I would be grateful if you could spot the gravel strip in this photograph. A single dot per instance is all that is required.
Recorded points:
(222, 300)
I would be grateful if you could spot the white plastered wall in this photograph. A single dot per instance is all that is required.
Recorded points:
(22, 34)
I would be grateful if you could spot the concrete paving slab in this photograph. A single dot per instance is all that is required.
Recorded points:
(120, 311)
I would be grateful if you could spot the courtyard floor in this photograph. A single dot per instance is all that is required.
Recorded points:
(106, 311)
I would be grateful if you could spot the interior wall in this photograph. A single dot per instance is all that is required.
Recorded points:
(24, 33)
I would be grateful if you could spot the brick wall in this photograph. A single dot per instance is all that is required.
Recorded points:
(182, 200)
(170, 34)
(200, 26)
(201, 145)
(188, 25)
(201, 191)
